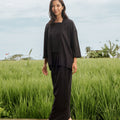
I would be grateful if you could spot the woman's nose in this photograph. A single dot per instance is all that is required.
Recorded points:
(55, 8)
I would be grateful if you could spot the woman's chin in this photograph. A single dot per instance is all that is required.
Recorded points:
(56, 14)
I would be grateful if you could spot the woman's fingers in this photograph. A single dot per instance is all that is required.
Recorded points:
(74, 68)
(44, 70)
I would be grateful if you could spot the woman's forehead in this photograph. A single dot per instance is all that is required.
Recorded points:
(56, 2)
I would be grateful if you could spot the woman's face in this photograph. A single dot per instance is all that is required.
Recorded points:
(57, 7)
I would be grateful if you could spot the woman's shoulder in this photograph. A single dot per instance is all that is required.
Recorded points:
(47, 25)
(69, 21)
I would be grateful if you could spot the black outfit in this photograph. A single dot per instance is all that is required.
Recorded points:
(60, 47)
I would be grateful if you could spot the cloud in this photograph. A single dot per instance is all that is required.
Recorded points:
(10, 9)
(95, 10)
(21, 8)
(97, 1)
(91, 1)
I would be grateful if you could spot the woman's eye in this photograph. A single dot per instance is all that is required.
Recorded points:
(56, 5)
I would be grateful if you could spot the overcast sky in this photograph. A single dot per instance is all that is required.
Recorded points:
(22, 24)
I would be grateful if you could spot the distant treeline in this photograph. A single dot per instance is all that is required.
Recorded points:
(111, 50)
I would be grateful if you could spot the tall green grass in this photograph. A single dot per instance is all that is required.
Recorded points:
(26, 93)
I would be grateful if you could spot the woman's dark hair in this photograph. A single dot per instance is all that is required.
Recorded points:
(51, 14)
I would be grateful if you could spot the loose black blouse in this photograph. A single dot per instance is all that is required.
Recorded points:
(61, 43)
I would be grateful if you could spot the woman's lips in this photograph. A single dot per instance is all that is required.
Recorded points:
(55, 11)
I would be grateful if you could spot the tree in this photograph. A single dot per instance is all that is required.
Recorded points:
(111, 49)
(15, 57)
(88, 49)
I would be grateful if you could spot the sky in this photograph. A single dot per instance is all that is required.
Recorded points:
(22, 24)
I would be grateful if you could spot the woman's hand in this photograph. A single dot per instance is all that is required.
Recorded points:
(44, 70)
(74, 66)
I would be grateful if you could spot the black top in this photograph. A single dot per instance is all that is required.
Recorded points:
(61, 43)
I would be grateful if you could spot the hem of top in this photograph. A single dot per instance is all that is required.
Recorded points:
(77, 56)
(45, 57)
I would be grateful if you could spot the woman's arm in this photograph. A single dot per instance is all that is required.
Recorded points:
(75, 60)
(75, 42)
(45, 54)
(45, 61)
(44, 70)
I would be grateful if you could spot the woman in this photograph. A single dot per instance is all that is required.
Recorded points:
(61, 48)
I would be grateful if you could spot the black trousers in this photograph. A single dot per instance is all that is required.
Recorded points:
(61, 79)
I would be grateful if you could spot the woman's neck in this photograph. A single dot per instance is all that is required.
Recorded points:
(59, 19)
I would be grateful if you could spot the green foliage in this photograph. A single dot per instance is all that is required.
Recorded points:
(15, 57)
(26, 93)
(111, 48)
(88, 49)
(95, 54)
(3, 112)
(18, 57)
(107, 50)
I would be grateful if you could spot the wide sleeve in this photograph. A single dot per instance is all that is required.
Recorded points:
(45, 54)
(74, 42)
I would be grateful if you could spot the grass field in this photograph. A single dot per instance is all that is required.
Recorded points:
(26, 93)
